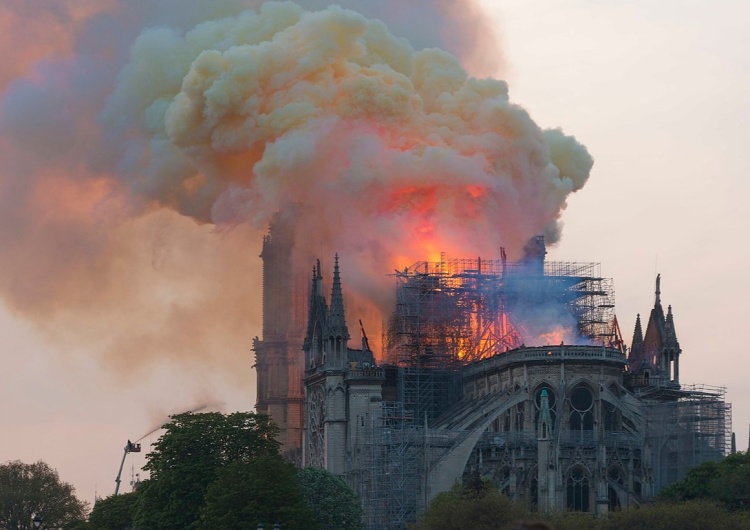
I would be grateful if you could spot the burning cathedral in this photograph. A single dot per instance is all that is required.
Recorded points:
(515, 371)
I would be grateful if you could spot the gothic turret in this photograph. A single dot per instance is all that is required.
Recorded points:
(671, 335)
(337, 331)
(654, 356)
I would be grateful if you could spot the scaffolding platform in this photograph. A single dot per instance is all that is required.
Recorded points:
(456, 311)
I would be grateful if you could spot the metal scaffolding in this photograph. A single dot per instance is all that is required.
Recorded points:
(428, 392)
(695, 428)
(390, 468)
(456, 311)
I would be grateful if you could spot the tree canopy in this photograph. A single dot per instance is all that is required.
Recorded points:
(187, 459)
(28, 489)
(333, 502)
(262, 490)
(726, 481)
(114, 513)
(211, 470)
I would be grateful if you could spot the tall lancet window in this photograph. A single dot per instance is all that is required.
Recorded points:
(577, 490)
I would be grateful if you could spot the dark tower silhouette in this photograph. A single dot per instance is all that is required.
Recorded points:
(279, 359)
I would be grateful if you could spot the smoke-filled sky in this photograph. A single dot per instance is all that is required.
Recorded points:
(144, 147)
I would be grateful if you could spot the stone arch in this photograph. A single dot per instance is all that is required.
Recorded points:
(450, 466)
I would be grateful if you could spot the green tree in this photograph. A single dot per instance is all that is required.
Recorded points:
(732, 485)
(28, 489)
(477, 506)
(726, 481)
(333, 502)
(187, 459)
(262, 490)
(114, 513)
(695, 485)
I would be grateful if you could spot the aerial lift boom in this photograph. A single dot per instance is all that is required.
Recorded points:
(129, 448)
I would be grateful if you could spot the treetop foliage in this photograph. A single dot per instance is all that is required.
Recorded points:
(27, 489)
(726, 482)
(211, 438)
(187, 459)
(334, 503)
(263, 490)
(114, 513)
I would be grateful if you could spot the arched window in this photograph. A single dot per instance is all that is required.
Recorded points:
(581, 409)
(578, 489)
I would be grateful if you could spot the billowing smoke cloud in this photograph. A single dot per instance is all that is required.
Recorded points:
(147, 145)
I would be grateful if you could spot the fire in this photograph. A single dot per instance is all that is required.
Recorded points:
(489, 337)
(557, 335)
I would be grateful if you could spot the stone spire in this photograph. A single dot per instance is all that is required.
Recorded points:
(636, 347)
(313, 292)
(316, 309)
(670, 341)
(337, 321)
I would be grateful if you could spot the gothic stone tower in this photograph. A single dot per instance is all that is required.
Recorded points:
(343, 387)
(279, 359)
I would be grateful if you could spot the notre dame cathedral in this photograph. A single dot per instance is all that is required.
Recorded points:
(515, 371)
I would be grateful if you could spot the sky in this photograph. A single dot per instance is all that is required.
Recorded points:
(656, 92)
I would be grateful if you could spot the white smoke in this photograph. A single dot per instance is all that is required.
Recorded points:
(225, 115)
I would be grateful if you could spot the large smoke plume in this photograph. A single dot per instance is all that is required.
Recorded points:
(146, 147)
